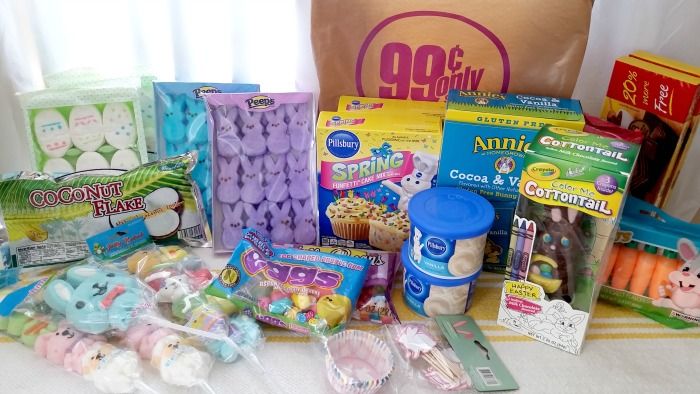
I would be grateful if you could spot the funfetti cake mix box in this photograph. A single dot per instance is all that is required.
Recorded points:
(372, 105)
(369, 167)
(485, 138)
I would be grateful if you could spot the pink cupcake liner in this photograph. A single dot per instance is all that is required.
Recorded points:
(357, 362)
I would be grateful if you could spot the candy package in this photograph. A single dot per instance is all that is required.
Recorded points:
(84, 129)
(182, 124)
(304, 291)
(80, 78)
(374, 304)
(48, 219)
(263, 177)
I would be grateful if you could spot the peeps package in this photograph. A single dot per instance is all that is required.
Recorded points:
(483, 149)
(654, 267)
(383, 106)
(84, 129)
(48, 219)
(369, 167)
(262, 167)
(301, 290)
(181, 124)
(572, 193)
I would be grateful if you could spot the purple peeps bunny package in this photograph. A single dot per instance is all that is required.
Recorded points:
(262, 149)
(181, 124)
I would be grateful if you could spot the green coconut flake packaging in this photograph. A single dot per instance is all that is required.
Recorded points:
(84, 129)
(48, 219)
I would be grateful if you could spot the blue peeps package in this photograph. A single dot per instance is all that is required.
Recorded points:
(304, 291)
(181, 125)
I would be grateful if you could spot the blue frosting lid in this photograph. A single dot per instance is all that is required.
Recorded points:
(451, 212)
(411, 269)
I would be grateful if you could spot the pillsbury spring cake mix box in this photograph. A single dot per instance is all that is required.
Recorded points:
(369, 167)
(485, 138)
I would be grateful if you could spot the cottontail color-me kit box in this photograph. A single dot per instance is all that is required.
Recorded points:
(654, 267)
(485, 138)
(572, 192)
(659, 102)
(368, 169)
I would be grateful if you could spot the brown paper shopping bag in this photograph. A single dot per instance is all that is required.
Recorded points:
(415, 49)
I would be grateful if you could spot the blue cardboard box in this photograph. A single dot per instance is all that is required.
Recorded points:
(484, 141)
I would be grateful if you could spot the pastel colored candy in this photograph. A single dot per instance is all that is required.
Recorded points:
(334, 309)
(280, 306)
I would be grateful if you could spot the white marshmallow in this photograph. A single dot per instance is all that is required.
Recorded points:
(125, 159)
(180, 364)
(57, 166)
(120, 130)
(51, 131)
(86, 130)
(91, 161)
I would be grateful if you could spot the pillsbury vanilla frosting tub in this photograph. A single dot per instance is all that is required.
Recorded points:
(448, 232)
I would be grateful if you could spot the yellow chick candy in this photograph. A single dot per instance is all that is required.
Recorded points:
(142, 262)
(302, 301)
(291, 313)
(334, 309)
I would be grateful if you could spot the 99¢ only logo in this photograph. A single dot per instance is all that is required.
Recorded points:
(428, 64)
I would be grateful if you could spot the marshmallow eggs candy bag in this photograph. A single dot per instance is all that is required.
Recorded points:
(84, 129)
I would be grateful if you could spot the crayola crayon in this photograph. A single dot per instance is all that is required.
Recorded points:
(527, 250)
(666, 263)
(626, 260)
(513, 239)
(643, 270)
(518, 251)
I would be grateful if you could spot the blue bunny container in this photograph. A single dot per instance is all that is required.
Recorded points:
(448, 232)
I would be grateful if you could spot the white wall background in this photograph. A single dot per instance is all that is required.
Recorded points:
(267, 42)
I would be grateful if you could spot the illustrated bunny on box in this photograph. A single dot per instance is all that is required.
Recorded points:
(232, 225)
(276, 189)
(94, 299)
(226, 132)
(174, 126)
(256, 217)
(253, 141)
(278, 138)
(424, 169)
(252, 191)
(299, 183)
(683, 292)
(227, 190)
(299, 127)
(559, 323)
(281, 223)
(304, 222)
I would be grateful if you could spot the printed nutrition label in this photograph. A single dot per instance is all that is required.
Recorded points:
(47, 253)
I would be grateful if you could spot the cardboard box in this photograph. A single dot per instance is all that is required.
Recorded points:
(485, 138)
(369, 167)
(572, 193)
(392, 106)
(658, 97)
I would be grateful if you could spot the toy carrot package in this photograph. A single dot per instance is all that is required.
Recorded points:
(654, 266)
(572, 192)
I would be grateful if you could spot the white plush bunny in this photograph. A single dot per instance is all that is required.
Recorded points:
(253, 141)
(281, 223)
(257, 217)
(304, 222)
(227, 190)
(277, 139)
(252, 191)
(276, 189)
(232, 226)
(424, 169)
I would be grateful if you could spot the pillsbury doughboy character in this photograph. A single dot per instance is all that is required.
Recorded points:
(424, 169)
